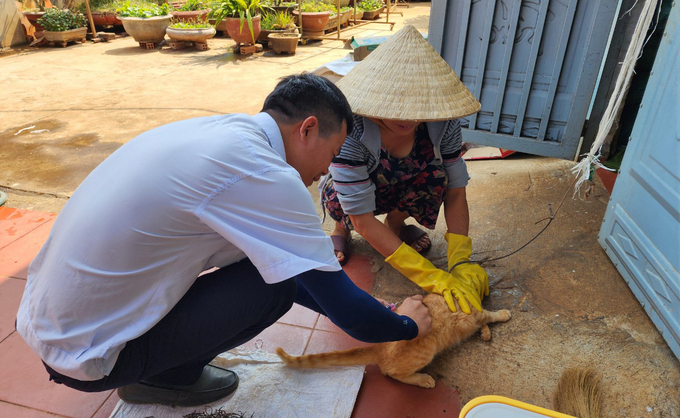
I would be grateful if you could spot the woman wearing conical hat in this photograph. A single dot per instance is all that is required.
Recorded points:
(403, 159)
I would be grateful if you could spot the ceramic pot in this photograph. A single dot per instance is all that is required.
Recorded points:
(332, 23)
(33, 20)
(150, 29)
(313, 24)
(240, 34)
(284, 42)
(191, 35)
(105, 19)
(190, 16)
(373, 14)
(63, 37)
(222, 27)
(359, 15)
(264, 34)
(344, 17)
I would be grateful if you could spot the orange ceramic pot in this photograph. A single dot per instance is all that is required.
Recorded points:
(241, 34)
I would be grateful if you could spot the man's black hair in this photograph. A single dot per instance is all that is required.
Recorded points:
(300, 96)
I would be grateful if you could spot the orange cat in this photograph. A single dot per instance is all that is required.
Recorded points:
(401, 360)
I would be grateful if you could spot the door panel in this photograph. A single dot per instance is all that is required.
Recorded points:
(532, 64)
(641, 229)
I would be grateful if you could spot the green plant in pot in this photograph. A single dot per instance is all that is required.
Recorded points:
(103, 11)
(276, 22)
(60, 20)
(190, 30)
(314, 16)
(237, 14)
(63, 25)
(145, 23)
(191, 10)
(371, 8)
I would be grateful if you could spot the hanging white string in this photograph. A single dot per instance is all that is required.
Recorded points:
(582, 170)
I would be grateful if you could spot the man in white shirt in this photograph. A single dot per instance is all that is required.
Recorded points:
(114, 298)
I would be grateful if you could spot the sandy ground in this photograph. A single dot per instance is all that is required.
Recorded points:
(65, 109)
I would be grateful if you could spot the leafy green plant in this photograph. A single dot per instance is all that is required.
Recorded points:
(191, 24)
(243, 9)
(60, 20)
(192, 5)
(371, 5)
(278, 3)
(277, 21)
(316, 6)
(110, 6)
(143, 11)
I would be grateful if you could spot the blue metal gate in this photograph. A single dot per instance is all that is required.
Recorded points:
(641, 229)
(533, 65)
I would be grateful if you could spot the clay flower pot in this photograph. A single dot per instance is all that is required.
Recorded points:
(191, 35)
(313, 23)
(33, 20)
(284, 42)
(66, 36)
(222, 27)
(373, 14)
(241, 34)
(150, 29)
(105, 19)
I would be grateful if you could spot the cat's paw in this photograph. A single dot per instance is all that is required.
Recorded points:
(505, 315)
(425, 381)
(485, 333)
(417, 379)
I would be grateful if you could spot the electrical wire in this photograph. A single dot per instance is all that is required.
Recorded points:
(549, 218)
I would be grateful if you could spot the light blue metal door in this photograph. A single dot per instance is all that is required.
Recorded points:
(532, 64)
(641, 230)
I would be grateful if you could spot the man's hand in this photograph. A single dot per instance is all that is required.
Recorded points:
(414, 308)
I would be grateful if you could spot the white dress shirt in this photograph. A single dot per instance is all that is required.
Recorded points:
(136, 234)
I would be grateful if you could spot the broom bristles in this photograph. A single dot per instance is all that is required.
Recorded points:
(578, 393)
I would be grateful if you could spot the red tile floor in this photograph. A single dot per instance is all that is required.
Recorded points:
(25, 391)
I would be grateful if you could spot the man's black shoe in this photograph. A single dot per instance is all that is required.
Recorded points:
(214, 384)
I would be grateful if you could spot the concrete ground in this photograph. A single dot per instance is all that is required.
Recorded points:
(64, 110)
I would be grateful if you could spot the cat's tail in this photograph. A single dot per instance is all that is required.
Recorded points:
(578, 393)
(353, 357)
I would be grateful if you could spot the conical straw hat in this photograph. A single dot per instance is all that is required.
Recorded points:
(405, 79)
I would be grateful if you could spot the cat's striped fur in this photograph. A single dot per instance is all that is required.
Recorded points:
(402, 360)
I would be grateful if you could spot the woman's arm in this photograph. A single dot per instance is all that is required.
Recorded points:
(456, 211)
(379, 235)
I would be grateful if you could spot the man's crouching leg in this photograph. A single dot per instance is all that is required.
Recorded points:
(169, 364)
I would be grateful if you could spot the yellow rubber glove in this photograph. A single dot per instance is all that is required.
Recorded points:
(420, 271)
(459, 249)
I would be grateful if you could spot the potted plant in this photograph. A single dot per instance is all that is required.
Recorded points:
(314, 17)
(281, 6)
(242, 18)
(276, 22)
(63, 26)
(283, 42)
(191, 10)
(372, 8)
(103, 11)
(34, 10)
(359, 13)
(345, 15)
(190, 31)
(146, 24)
